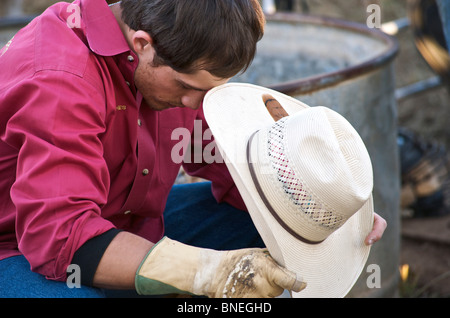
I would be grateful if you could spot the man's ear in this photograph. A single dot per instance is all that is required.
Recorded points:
(142, 41)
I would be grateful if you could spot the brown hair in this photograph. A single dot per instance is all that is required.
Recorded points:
(219, 36)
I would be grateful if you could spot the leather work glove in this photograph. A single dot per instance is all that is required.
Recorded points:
(172, 267)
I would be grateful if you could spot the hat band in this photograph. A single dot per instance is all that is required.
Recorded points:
(266, 201)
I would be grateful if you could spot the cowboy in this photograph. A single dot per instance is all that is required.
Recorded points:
(89, 96)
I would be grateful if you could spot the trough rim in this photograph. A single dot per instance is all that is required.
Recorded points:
(320, 81)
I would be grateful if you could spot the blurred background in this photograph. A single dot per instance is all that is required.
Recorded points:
(422, 114)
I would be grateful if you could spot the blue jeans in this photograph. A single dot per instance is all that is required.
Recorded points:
(192, 216)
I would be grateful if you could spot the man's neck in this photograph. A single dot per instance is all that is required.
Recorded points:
(117, 11)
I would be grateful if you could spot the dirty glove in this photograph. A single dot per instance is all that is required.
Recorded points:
(172, 267)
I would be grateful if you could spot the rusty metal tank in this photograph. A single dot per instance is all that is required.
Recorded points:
(347, 67)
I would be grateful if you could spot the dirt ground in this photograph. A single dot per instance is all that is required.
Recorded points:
(425, 242)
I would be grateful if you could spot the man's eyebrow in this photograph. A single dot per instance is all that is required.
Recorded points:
(186, 85)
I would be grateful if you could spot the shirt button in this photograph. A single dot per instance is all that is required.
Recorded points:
(130, 58)
(128, 83)
(145, 172)
(127, 212)
(139, 122)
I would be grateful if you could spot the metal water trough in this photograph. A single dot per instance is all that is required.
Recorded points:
(347, 67)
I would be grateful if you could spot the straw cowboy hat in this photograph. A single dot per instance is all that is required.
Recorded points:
(305, 177)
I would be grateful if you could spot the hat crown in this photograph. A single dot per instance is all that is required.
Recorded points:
(327, 153)
(315, 171)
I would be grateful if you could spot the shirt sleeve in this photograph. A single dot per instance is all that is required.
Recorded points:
(88, 256)
(213, 168)
(62, 180)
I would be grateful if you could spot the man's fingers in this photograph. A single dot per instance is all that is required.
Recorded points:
(274, 107)
(289, 280)
(299, 285)
(379, 225)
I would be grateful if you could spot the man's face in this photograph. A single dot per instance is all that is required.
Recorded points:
(164, 88)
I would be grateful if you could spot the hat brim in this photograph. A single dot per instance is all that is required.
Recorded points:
(234, 112)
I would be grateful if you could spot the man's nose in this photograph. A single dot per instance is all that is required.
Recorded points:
(193, 99)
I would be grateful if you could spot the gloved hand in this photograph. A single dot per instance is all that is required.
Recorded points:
(172, 267)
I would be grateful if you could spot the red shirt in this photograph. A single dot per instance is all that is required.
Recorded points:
(80, 151)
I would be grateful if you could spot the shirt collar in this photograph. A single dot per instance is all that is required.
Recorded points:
(102, 30)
